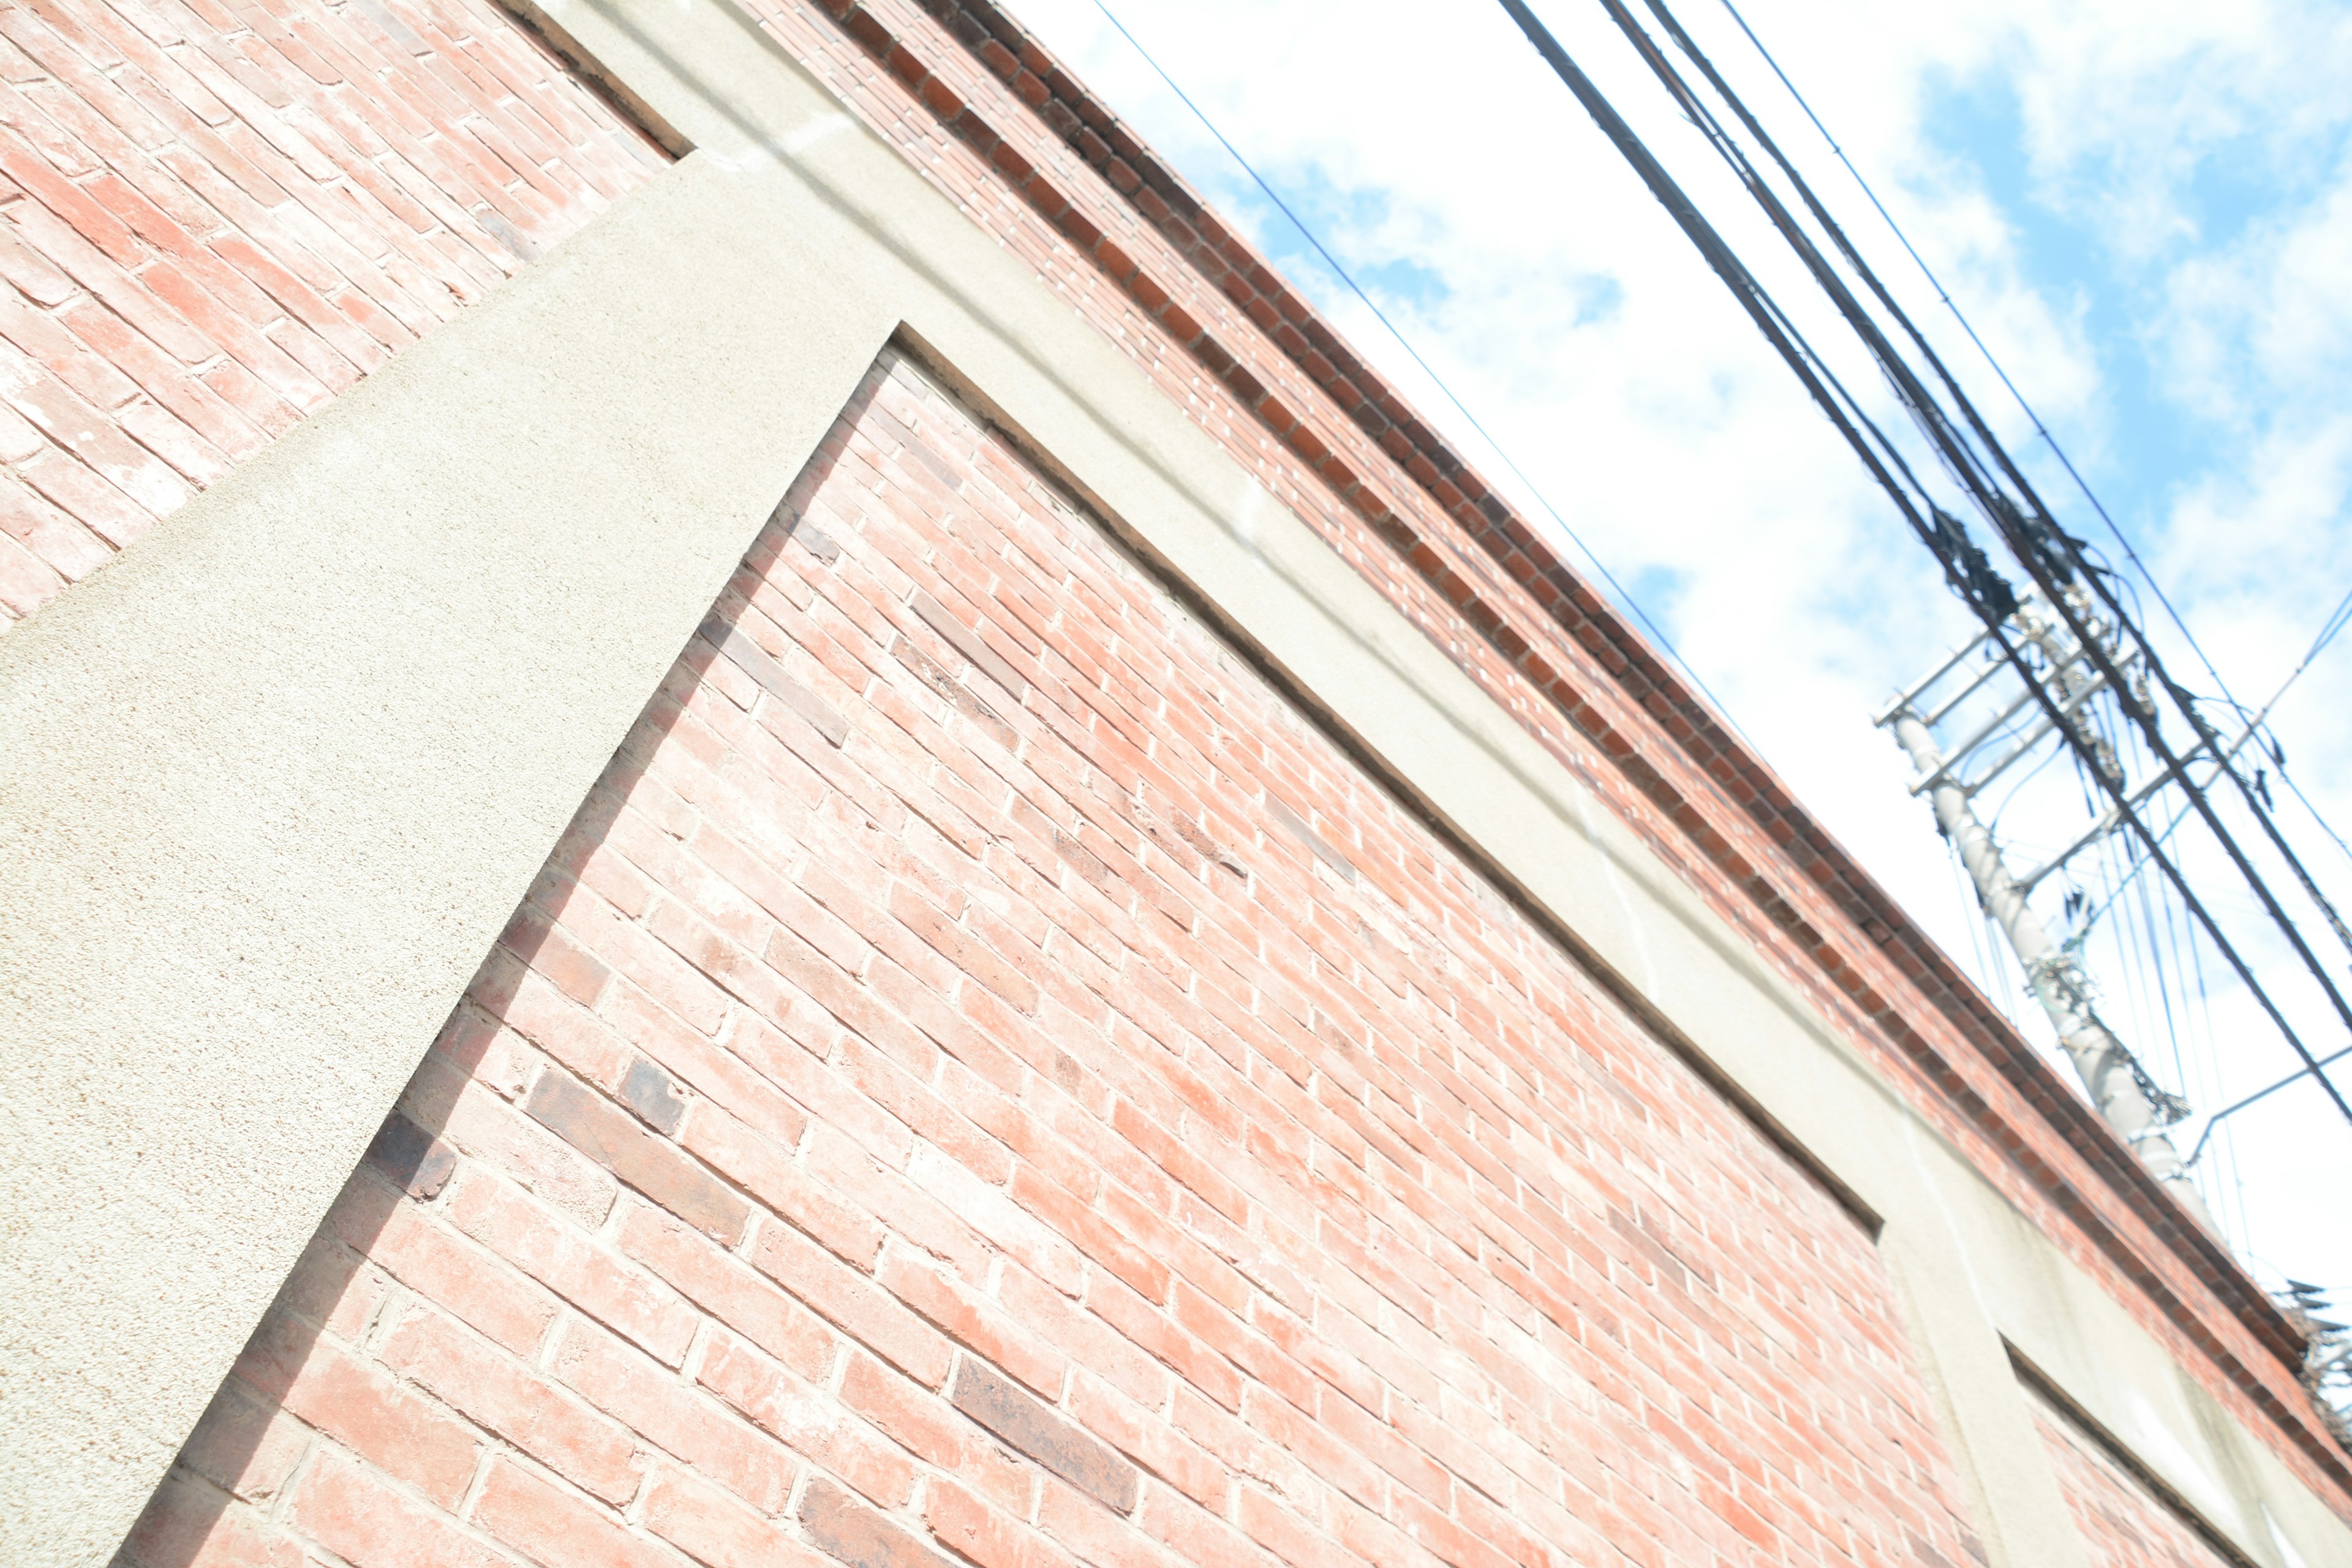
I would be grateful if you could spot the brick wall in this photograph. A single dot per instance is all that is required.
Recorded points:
(2124, 1524)
(995, 122)
(983, 1079)
(213, 217)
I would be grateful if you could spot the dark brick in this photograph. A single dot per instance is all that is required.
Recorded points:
(988, 1398)
(418, 1162)
(843, 1528)
(966, 641)
(927, 669)
(1087, 864)
(1296, 826)
(597, 1127)
(652, 1095)
(753, 661)
(946, 474)
(814, 540)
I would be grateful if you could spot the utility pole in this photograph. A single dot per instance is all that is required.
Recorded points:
(2132, 1104)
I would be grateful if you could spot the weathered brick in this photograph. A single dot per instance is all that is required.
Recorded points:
(729, 1290)
(1295, 1185)
(851, 1532)
(968, 643)
(988, 1398)
(346, 1509)
(582, 1272)
(805, 704)
(474, 1284)
(972, 1318)
(676, 1417)
(409, 1437)
(550, 1525)
(514, 1400)
(418, 1162)
(184, 1526)
(244, 1443)
(657, 1169)
(701, 1522)
(862, 1308)
(652, 1095)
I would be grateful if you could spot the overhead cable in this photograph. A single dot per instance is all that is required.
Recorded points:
(1345, 276)
(2054, 559)
(2040, 429)
(2044, 544)
(2042, 534)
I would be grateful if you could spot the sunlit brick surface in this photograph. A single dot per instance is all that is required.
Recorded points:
(2123, 1524)
(1075, 1116)
(215, 217)
(987, 116)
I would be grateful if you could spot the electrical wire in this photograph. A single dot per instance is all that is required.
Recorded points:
(2052, 560)
(1945, 297)
(2261, 814)
(1346, 278)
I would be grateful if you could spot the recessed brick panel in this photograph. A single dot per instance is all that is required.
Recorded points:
(213, 219)
(1046, 1192)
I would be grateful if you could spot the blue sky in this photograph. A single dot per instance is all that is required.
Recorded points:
(2146, 208)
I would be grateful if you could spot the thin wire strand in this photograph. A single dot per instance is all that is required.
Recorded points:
(2040, 429)
(1406, 343)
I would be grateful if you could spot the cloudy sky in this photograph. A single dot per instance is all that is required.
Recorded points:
(2146, 208)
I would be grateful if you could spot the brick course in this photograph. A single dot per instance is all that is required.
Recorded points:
(215, 216)
(1189, 1201)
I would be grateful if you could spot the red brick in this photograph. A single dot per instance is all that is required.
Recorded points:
(972, 1530)
(855, 1534)
(555, 1527)
(2123, 1524)
(766, 1171)
(1150, 1441)
(474, 1284)
(476, 1118)
(616, 1294)
(26, 582)
(729, 1290)
(653, 1166)
(862, 1308)
(183, 1526)
(1354, 1143)
(810, 1421)
(701, 1522)
(927, 1426)
(972, 1319)
(244, 1443)
(511, 1399)
(412, 1439)
(343, 1507)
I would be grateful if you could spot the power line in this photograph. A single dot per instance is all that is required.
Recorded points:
(2055, 561)
(1625, 597)
(2335, 622)
(1944, 296)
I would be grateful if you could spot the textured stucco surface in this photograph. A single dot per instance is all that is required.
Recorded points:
(271, 783)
